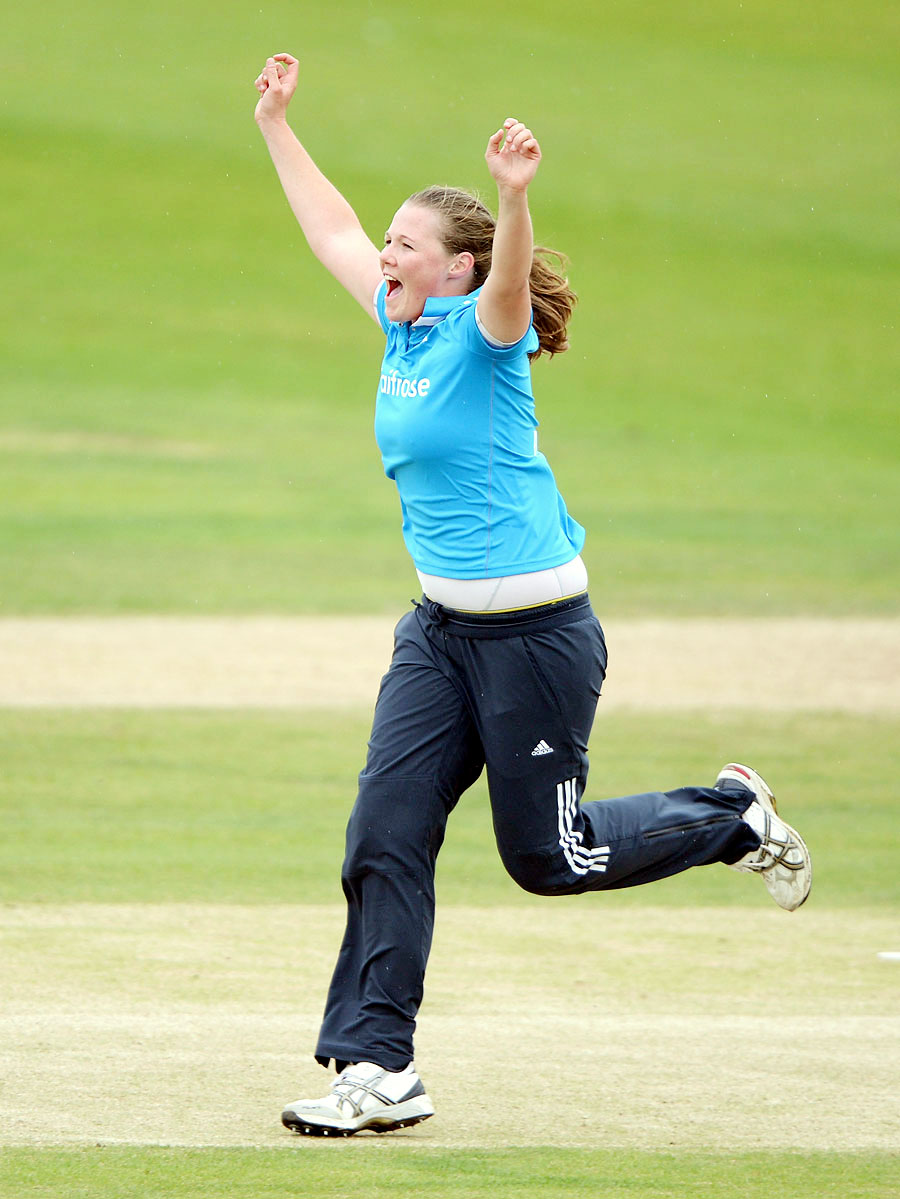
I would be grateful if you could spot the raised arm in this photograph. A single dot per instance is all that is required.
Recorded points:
(329, 224)
(504, 306)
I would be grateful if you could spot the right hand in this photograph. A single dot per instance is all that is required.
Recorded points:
(276, 84)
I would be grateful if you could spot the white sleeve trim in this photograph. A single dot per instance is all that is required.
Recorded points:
(489, 337)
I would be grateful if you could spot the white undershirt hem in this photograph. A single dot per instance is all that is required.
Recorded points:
(508, 592)
(489, 337)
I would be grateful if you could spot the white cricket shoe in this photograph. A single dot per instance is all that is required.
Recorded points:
(363, 1096)
(782, 858)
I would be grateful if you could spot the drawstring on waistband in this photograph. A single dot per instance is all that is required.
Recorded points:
(502, 624)
(435, 614)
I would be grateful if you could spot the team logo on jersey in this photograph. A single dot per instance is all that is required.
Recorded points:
(396, 384)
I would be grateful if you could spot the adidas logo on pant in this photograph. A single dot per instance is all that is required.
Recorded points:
(540, 749)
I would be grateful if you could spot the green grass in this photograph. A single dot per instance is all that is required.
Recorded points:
(186, 415)
(383, 1169)
(250, 807)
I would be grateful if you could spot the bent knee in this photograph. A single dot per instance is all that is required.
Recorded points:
(535, 872)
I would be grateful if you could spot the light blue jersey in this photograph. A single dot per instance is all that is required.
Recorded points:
(455, 423)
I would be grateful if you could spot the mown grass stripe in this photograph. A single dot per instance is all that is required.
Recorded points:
(384, 1170)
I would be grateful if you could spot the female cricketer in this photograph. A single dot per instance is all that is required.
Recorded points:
(499, 667)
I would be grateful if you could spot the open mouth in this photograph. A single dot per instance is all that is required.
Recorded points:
(394, 286)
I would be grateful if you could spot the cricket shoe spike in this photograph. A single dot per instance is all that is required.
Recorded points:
(364, 1096)
(782, 857)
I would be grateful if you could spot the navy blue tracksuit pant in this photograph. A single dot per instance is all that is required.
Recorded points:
(514, 693)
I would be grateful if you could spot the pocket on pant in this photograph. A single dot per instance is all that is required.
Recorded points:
(543, 680)
(570, 663)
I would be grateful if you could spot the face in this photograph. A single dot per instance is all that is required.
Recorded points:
(416, 265)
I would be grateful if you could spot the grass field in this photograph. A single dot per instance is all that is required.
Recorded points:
(186, 419)
(185, 427)
(518, 1174)
(169, 920)
(250, 807)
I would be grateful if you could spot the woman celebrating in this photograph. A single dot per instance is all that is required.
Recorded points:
(500, 666)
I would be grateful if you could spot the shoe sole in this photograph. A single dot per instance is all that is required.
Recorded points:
(370, 1123)
(766, 798)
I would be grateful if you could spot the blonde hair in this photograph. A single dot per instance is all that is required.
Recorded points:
(468, 225)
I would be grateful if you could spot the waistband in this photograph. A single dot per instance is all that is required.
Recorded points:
(505, 624)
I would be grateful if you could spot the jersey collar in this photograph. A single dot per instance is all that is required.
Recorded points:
(437, 307)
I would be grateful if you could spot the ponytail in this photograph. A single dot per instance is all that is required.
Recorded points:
(468, 226)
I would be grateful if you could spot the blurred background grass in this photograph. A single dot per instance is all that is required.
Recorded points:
(250, 807)
(187, 399)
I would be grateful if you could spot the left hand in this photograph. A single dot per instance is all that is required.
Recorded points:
(513, 155)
